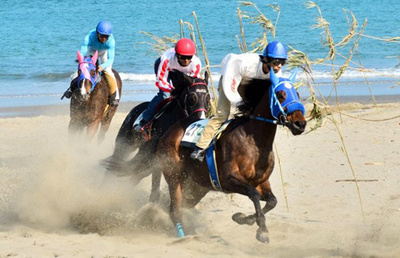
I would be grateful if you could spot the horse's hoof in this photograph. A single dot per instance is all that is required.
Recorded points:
(242, 219)
(263, 237)
(179, 230)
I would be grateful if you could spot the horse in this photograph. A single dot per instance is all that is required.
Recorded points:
(89, 102)
(190, 98)
(244, 157)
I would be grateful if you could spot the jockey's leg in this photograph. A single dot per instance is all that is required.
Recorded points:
(222, 114)
(149, 112)
(72, 87)
(113, 89)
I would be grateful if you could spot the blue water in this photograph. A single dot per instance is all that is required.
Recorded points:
(40, 39)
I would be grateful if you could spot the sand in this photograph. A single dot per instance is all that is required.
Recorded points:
(55, 200)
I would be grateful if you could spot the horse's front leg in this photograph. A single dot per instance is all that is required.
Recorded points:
(175, 193)
(155, 186)
(270, 203)
(106, 122)
(92, 128)
(241, 187)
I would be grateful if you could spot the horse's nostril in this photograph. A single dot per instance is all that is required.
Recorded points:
(300, 124)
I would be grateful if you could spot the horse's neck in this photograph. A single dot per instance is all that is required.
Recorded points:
(263, 109)
(264, 131)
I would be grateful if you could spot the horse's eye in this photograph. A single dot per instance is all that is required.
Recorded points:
(208, 101)
(281, 95)
(192, 99)
(92, 73)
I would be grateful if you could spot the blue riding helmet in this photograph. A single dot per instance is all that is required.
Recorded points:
(275, 49)
(104, 28)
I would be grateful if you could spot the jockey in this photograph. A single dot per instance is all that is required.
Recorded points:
(235, 68)
(181, 58)
(102, 40)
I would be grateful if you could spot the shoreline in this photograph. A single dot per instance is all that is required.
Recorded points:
(126, 106)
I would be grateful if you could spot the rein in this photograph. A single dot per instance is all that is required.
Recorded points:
(259, 118)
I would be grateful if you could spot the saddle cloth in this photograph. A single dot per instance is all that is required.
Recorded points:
(193, 132)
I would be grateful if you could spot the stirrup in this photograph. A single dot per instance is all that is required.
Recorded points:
(198, 154)
(138, 127)
(112, 101)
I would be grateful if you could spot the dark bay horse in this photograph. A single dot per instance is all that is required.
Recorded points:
(89, 102)
(191, 99)
(243, 154)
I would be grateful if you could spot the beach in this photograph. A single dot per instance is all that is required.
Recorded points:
(337, 191)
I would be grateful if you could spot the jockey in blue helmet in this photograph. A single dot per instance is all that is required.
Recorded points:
(275, 54)
(234, 69)
(104, 28)
(102, 40)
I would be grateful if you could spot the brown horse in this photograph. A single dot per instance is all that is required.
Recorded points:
(190, 99)
(243, 154)
(89, 102)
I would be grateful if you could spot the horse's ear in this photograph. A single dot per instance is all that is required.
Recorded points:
(274, 78)
(80, 57)
(206, 77)
(95, 56)
(292, 77)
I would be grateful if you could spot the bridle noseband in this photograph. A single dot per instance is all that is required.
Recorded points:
(85, 73)
(277, 109)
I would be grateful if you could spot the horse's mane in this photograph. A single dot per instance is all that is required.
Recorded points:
(251, 92)
(181, 81)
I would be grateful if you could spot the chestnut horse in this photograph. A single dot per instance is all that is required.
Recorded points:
(243, 154)
(190, 99)
(89, 102)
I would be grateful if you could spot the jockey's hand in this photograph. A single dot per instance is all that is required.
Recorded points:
(174, 93)
(100, 69)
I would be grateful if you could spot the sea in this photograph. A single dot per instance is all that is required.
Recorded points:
(41, 37)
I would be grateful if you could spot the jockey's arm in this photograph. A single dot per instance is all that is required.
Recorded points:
(162, 75)
(85, 45)
(196, 64)
(110, 54)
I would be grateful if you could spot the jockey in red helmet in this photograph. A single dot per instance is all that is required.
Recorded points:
(182, 57)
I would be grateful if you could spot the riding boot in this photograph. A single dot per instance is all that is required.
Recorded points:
(67, 94)
(138, 127)
(112, 101)
(198, 154)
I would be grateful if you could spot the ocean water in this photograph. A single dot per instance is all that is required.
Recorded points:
(40, 39)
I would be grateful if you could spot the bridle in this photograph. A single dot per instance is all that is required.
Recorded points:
(85, 67)
(186, 104)
(280, 111)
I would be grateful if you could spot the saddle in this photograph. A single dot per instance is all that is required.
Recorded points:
(160, 110)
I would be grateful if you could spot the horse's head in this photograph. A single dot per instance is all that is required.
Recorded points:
(192, 93)
(285, 105)
(87, 74)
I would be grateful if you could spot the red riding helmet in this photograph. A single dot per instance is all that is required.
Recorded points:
(185, 47)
